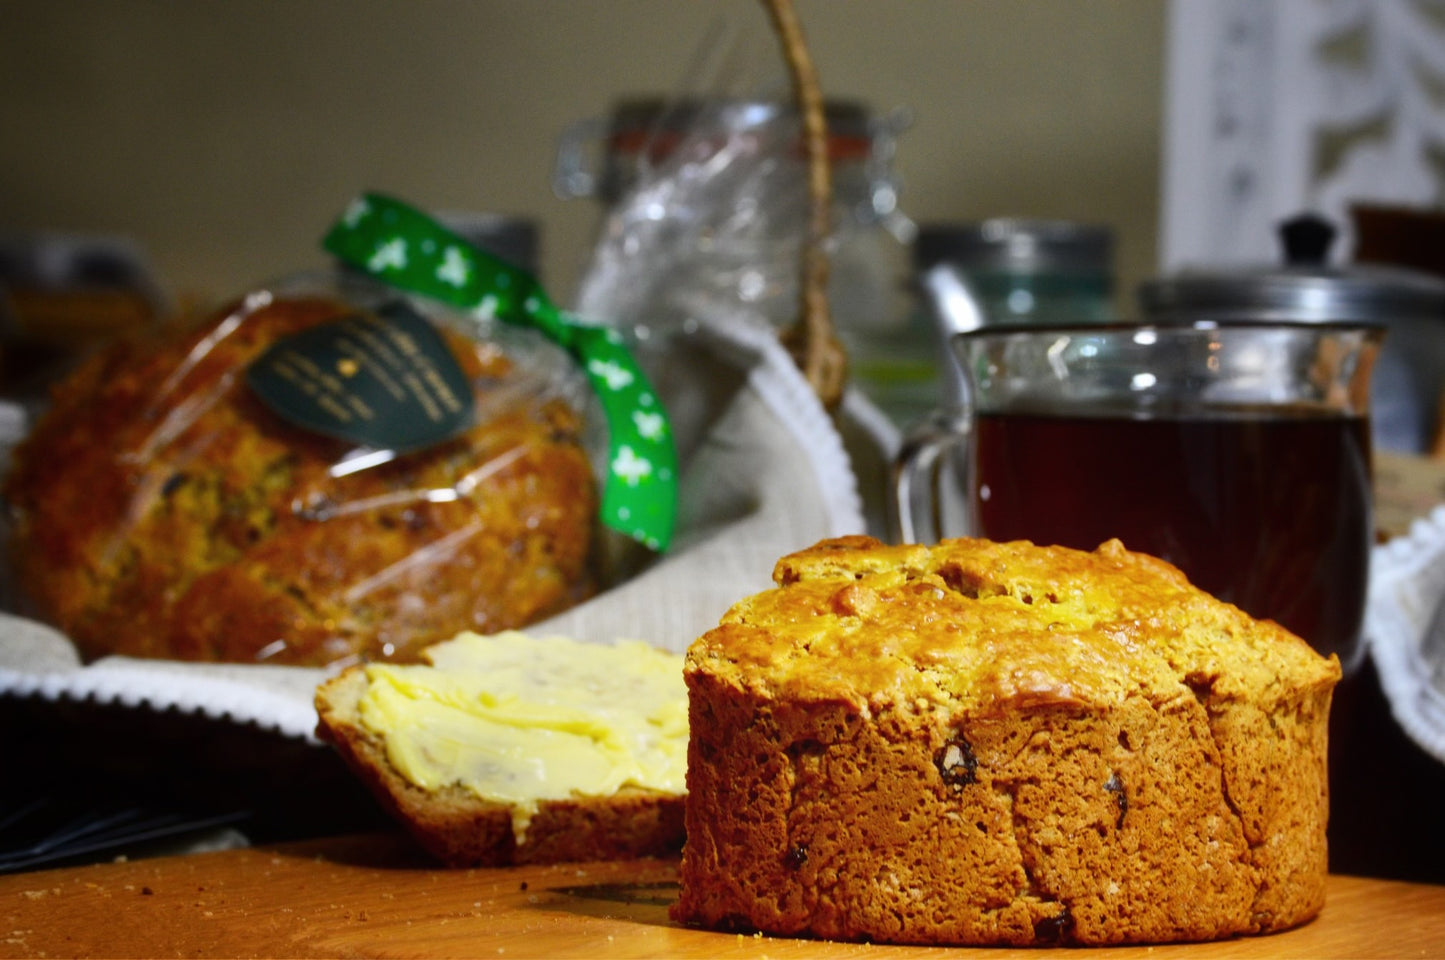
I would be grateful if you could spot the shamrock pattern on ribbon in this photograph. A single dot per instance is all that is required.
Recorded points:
(407, 249)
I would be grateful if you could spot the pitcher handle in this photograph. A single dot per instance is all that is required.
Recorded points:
(917, 475)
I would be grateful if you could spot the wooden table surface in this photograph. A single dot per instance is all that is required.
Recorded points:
(374, 896)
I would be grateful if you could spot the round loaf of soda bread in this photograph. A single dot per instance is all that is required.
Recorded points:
(160, 509)
(1000, 743)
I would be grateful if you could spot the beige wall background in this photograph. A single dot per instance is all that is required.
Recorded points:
(225, 135)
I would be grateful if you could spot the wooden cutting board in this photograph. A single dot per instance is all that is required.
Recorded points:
(375, 896)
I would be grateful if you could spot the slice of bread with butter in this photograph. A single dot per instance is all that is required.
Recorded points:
(512, 749)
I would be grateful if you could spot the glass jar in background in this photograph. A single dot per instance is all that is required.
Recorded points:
(904, 369)
(704, 209)
(1022, 270)
(965, 274)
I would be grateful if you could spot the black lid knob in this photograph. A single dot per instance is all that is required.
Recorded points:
(1307, 239)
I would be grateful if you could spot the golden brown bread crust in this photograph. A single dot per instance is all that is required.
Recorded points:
(462, 830)
(1001, 743)
(161, 511)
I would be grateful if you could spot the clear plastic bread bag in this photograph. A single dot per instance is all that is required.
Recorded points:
(332, 467)
(706, 215)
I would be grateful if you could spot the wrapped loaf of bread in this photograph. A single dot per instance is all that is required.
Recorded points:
(161, 509)
(983, 743)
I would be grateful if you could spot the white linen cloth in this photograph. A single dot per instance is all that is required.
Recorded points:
(1407, 583)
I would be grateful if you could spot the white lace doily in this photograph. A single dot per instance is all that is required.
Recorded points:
(1407, 583)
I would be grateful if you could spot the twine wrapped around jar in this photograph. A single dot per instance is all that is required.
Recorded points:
(812, 340)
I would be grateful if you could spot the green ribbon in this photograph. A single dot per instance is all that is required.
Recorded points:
(407, 249)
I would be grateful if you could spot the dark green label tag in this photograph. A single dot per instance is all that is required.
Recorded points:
(385, 380)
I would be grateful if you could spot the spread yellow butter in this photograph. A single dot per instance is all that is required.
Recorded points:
(518, 720)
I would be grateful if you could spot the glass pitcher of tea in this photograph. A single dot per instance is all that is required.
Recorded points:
(1239, 452)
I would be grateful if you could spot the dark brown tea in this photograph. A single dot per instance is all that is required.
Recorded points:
(1269, 511)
